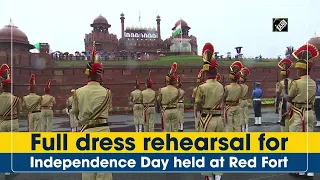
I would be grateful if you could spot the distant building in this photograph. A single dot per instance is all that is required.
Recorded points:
(139, 40)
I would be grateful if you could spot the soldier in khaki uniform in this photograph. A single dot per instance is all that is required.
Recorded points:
(302, 93)
(8, 116)
(200, 80)
(47, 104)
(73, 121)
(232, 96)
(136, 101)
(180, 105)
(168, 98)
(209, 99)
(149, 111)
(90, 106)
(284, 84)
(244, 114)
(32, 103)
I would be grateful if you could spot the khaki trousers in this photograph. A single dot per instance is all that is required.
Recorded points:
(100, 175)
(34, 120)
(232, 118)
(171, 120)
(9, 125)
(286, 127)
(215, 125)
(196, 121)
(296, 124)
(138, 114)
(149, 114)
(244, 112)
(73, 121)
(180, 107)
(46, 120)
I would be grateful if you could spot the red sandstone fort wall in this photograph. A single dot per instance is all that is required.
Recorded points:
(121, 80)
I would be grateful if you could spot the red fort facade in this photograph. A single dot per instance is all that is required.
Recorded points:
(120, 79)
(139, 39)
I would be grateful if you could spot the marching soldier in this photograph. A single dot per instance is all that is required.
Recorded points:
(136, 101)
(317, 104)
(73, 121)
(90, 106)
(168, 98)
(256, 99)
(284, 84)
(47, 104)
(245, 72)
(149, 111)
(180, 105)
(232, 95)
(302, 93)
(32, 103)
(200, 80)
(9, 106)
(209, 98)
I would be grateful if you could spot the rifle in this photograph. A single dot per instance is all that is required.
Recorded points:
(284, 113)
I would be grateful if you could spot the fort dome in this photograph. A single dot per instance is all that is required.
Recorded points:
(18, 35)
(184, 24)
(100, 20)
(315, 40)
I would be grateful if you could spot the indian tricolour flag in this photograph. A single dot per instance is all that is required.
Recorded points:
(177, 30)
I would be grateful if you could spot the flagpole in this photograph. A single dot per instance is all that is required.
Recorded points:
(180, 34)
(11, 72)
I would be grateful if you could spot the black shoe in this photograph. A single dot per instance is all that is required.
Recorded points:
(180, 130)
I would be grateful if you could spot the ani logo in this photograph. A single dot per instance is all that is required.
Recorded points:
(280, 24)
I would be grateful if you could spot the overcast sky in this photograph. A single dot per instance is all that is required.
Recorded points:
(225, 23)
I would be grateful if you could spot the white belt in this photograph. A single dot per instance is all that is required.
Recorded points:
(317, 97)
(257, 99)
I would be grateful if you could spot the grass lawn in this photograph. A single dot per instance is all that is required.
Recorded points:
(167, 61)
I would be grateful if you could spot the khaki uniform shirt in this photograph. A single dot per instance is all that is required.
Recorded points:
(149, 96)
(303, 90)
(89, 98)
(210, 95)
(182, 95)
(245, 90)
(48, 100)
(168, 96)
(194, 92)
(69, 102)
(30, 100)
(233, 92)
(280, 86)
(136, 96)
(5, 105)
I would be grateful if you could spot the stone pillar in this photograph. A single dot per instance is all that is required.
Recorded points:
(158, 27)
(122, 24)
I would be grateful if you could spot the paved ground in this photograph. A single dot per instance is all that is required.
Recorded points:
(124, 123)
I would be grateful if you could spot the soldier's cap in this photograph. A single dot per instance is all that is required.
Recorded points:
(304, 55)
(94, 67)
(48, 86)
(5, 79)
(235, 68)
(207, 53)
(32, 81)
(257, 83)
(171, 76)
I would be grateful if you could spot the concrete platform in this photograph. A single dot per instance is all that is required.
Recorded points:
(124, 123)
